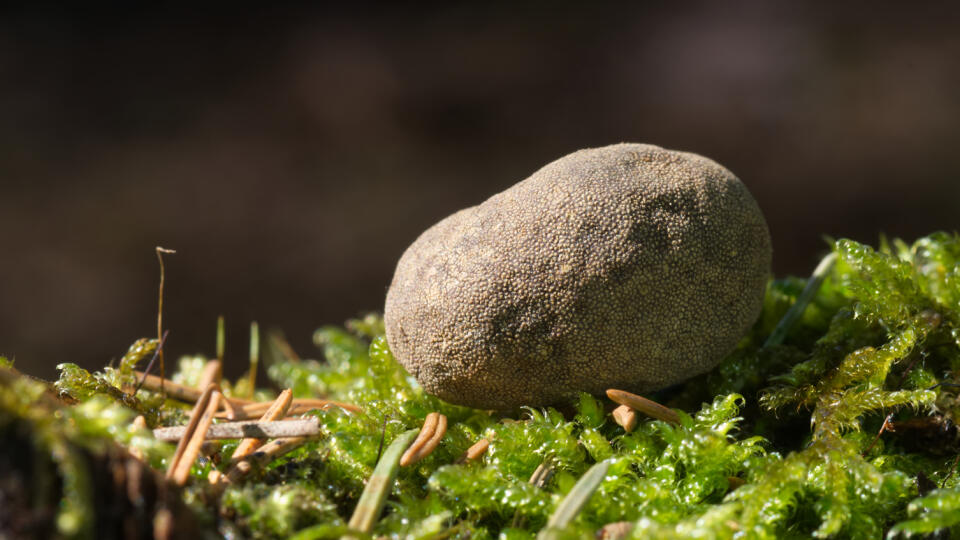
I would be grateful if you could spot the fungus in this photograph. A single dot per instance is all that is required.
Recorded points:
(628, 266)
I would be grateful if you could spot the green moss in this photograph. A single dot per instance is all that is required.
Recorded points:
(778, 441)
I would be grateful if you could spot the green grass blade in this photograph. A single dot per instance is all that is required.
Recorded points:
(378, 486)
(577, 498)
(806, 295)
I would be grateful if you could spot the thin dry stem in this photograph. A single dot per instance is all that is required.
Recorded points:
(644, 405)
(299, 406)
(278, 409)
(267, 453)
(193, 437)
(250, 430)
(212, 373)
(180, 392)
(160, 252)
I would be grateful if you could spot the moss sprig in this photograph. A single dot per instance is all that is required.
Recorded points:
(814, 436)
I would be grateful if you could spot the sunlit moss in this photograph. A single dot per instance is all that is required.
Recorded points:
(781, 441)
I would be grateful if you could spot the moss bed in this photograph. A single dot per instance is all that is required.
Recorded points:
(845, 429)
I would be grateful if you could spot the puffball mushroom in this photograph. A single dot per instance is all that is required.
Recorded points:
(628, 266)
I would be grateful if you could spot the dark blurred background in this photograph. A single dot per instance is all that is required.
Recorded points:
(290, 155)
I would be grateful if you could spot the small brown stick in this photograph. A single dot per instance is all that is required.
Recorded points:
(153, 359)
(193, 438)
(173, 390)
(249, 430)
(267, 453)
(434, 427)
(178, 391)
(474, 452)
(886, 426)
(228, 406)
(625, 417)
(278, 409)
(212, 373)
(644, 405)
(255, 410)
(201, 405)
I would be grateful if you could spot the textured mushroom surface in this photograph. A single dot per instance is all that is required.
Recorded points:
(628, 266)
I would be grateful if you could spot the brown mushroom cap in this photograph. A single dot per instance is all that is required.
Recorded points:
(627, 266)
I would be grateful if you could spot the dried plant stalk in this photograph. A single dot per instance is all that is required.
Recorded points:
(267, 453)
(644, 405)
(278, 409)
(299, 406)
(189, 447)
(202, 402)
(212, 373)
(432, 432)
(178, 391)
(252, 431)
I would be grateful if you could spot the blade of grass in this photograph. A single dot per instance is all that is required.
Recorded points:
(254, 356)
(576, 499)
(221, 337)
(379, 485)
(820, 273)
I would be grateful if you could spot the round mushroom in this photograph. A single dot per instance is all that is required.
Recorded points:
(628, 266)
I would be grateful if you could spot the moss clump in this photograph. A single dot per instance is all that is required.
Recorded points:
(628, 266)
(788, 441)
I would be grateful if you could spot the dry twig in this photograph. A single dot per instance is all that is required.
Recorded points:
(193, 437)
(178, 391)
(278, 409)
(267, 453)
(644, 405)
(248, 431)
(299, 406)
